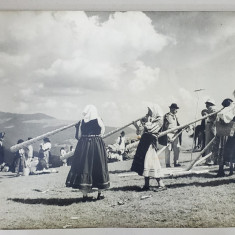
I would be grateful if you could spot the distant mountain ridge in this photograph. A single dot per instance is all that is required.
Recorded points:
(21, 126)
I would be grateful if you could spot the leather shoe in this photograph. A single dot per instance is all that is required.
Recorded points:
(220, 174)
(177, 165)
(145, 188)
(168, 165)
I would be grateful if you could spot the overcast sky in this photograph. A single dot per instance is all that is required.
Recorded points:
(58, 62)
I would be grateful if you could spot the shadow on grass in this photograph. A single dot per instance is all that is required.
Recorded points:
(49, 201)
(213, 183)
(8, 176)
(119, 171)
(126, 188)
(194, 175)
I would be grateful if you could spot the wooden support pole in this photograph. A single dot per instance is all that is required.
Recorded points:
(200, 154)
(203, 159)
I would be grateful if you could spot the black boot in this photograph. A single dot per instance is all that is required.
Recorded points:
(146, 184)
(220, 172)
(231, 170)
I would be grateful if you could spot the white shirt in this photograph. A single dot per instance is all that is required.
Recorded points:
(46, 146)
(228, 113)
(30, 151)
(122, 144)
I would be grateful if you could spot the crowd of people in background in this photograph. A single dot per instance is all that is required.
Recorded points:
(26, 161)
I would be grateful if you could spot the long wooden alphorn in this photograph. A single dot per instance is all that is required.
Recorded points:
(135, 144)
(16, 147)
(69, 154)
(185, 125)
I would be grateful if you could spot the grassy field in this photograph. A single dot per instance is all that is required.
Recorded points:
(191, 201)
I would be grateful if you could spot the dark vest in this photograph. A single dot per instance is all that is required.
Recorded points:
(89, 128)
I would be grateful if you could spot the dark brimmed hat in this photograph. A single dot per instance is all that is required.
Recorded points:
(174, 106)
(20, 141)
(226, 102)
(123, 132)
(46, 139)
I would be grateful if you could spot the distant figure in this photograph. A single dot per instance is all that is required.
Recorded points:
(199, 133)
(62, 153)
(121, 140)
(46, 147)
(20, 162)
(70, 159)
(2, 162)
(210, 129)
(29, 154)
(89, 167)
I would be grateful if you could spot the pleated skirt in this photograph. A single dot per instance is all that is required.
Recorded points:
(89, 168)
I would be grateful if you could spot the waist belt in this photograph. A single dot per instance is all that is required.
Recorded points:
(90, 136)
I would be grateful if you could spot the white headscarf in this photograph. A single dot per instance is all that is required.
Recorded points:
(156, 110)
(90, 113)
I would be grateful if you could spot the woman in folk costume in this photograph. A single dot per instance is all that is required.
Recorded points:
(146, 162)
(89, 168)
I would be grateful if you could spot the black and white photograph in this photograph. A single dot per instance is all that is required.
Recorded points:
(117, 119)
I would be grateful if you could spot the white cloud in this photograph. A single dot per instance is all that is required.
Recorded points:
(50, 103)
(145, 76)
(22, 107)
(85, 52)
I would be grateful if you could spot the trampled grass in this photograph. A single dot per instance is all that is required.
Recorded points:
(43, 201)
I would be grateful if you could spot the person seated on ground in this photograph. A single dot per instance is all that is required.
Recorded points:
(113, 153)
(227, 115)
(46, 147)
(117, 150)
(42, 163)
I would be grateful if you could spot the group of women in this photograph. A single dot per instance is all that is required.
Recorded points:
(89, 168)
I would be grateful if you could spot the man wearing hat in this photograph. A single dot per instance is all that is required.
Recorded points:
(171, 121)
(210, 130)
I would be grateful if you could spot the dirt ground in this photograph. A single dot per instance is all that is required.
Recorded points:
(190, 201)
